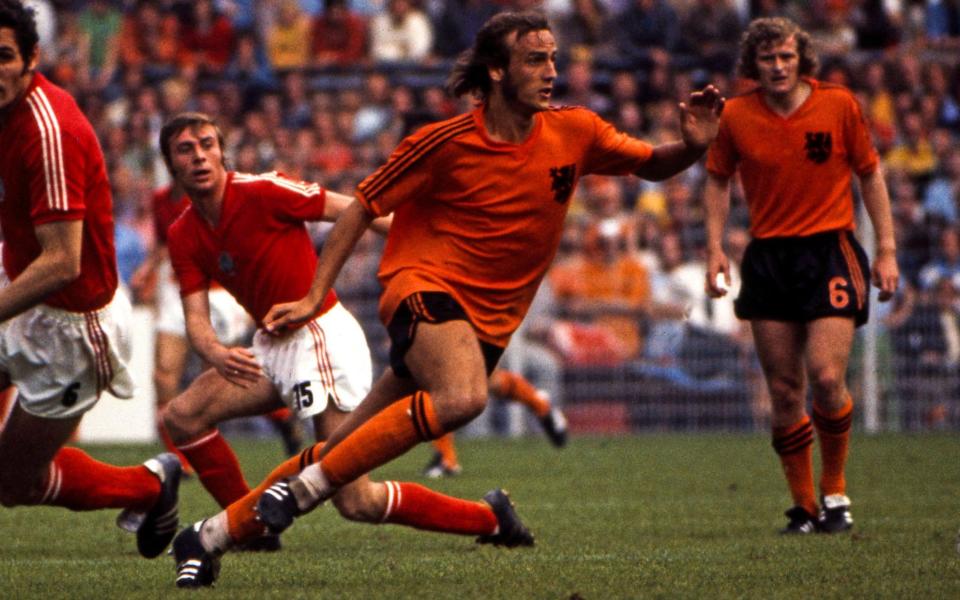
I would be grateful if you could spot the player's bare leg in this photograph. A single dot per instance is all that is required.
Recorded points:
(828, 353)
(780, 347)
(170, 359)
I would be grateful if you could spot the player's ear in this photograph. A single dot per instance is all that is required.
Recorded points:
(496, 73)
(30, 64)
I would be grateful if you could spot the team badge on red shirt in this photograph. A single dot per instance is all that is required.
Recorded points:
(226, 264)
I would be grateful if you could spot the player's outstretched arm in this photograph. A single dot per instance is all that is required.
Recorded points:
(716, 200)
(885, 272)
(237, 365)
(336, 203)
(57, 265)
(699, 123)
(351, 224)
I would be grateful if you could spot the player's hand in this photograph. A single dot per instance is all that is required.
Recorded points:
(286, 314)
(886, 275)
(700, 117)
(718, 275)
(239, 366)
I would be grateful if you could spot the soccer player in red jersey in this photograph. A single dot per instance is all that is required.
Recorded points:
(797, 142)
(171, 347)
(248, 233)
(479, 203)
(64, 335)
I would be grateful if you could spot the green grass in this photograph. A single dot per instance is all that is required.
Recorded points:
(659, 516)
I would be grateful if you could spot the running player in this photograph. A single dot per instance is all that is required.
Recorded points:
(479, 203)
(797, 142)
(64, 329)
(248, 233)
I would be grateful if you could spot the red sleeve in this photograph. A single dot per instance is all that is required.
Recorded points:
(294, 201)
(183, 253)
(863, 156)
(55, 163)
(722, 156)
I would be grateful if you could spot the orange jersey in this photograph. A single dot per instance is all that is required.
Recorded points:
(796, 171)
(481, 220)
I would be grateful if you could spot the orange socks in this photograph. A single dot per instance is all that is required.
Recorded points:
(447, 449)
(833, 429)
(517, 388)
(242, 520)
(794, 445)
(217, 467)
(78, 482)
(387, 435)
(415, 506)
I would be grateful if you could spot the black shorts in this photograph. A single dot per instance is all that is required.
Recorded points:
(801, 279)
(428, 307)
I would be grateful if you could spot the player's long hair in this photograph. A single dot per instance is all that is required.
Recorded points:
(21, 20)
(490, 50)
(774, 30)
(178, 123)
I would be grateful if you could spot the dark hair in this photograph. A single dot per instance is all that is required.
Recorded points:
(176, 124)
(16, 16)
(490, 50)
(775, 30)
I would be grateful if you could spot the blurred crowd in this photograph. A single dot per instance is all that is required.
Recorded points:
(322, 90)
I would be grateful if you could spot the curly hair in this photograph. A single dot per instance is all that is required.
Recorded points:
(179, 122)
(21, 20)
(774, 30)
(490, 50)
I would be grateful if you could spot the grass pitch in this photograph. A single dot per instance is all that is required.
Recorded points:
(655, 516)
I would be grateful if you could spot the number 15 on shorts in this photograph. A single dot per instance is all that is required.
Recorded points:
(302, 395)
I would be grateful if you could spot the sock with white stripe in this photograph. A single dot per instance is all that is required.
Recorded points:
(217, 467)
(419, 507)
(77, 481)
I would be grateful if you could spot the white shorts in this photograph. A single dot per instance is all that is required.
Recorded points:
(230, 321)
(324, 363)
(60, 361)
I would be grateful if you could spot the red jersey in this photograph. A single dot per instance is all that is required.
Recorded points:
(796, 170)
(166, 209)
(260, 250)
(481, 219)
(52, 169)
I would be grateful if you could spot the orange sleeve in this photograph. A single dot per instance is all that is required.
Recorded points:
(614, 152)
(722, 157)
(863, 155)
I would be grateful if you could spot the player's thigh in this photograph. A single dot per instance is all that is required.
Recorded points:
(28, 443)
(780, 347)
(212, 399)
(170, 353)
(446, 358)
(829, 342)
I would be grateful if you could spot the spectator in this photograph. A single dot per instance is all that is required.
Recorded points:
(579, 90)
(583, 28)
(913, 153)
(877, 28)
(338, 36)
(942, 196)
(149, 40)
(100, 21)
(401, 34)
(249, 70)
(946, 262)
(710, 31)
(459, 23)
(647, 33)
(286, 37)
(207, 38)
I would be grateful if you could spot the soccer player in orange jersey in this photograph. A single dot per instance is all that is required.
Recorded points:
(797, 142)
(479, 203)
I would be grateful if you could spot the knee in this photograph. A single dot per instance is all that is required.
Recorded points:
(165, 383)
(183, 419)
(785, 390)
(827, 383)
(454, 410)
(360, 502)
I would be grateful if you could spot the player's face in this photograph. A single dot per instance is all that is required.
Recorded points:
(528, 81)
(197, 159)
(15, 71)
(779, 67)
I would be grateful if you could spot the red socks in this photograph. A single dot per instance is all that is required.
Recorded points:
(217, 467)
(78, 482)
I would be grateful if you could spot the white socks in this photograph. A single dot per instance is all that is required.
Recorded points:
(215, 534)
(314, 489)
